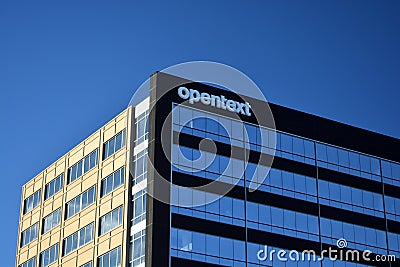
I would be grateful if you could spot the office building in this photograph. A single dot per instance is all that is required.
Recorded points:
(166, 183)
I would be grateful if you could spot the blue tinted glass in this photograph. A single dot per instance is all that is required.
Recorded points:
(332, 155)
(251, 132)
(354, 160)
(212, 126)
(286, 143)
(277, 216)
(343, 158)
(212, 245)
(309, 149)
(321, 152)
(365, 163)
(199, 123)
(298, 146)
(226, 248)
(252, 211)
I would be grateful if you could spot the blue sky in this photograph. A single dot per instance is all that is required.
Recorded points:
(67, 67)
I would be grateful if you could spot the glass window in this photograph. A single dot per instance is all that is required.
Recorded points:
(32, 202)
(114, 144)
(29, 234)
(51, 220)
(111, 258)
(332, 155)
(321, 152)
(82, 166)
(112, 181)
(111, 220)
(54, 186)
(298, 146)
(80, 202)
(78, 239)
(49, 256)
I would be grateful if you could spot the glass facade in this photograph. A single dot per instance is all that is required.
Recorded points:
(289, 204)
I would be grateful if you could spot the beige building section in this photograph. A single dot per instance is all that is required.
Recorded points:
(121, 196)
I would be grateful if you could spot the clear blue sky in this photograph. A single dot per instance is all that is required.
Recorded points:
(67, 67)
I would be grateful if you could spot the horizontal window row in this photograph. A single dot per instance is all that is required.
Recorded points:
(207, 165)
(232, 211)
(230, 252)
(229, 131)
(277, 180)
(358, 237)
(350, 198)
(204, 244)
(276, 220)
(288, 184)
(282, 221)
(73, 173)
(110, 259)
(220, 209)
(254, 138)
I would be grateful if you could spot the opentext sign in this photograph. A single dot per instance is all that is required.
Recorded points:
(215, 101)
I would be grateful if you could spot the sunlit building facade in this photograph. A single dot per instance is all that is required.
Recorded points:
(135, 193)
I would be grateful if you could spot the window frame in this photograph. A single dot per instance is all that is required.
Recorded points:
(53, 225)
(53, 182)
(37, 195)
